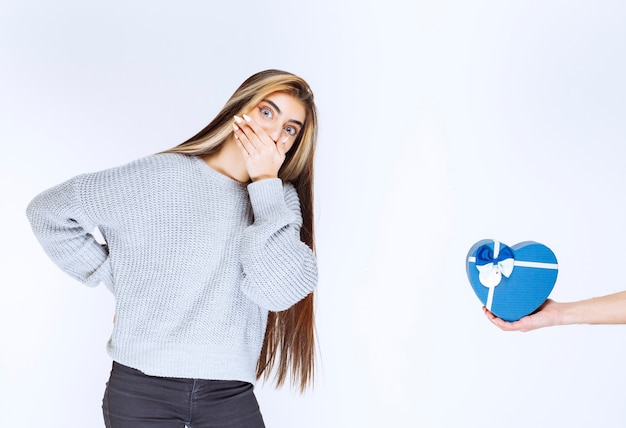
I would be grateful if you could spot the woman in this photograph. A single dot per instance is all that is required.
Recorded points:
(210, 256)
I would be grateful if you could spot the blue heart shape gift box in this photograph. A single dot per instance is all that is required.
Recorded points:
(511, 282)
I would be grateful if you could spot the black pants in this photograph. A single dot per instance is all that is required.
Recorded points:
(135, 400)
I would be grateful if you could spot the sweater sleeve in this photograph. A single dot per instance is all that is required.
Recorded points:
(279, 269)
(65, 233)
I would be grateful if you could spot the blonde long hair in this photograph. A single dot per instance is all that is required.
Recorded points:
(289, 343)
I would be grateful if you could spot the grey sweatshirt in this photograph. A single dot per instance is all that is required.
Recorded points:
(194, 259)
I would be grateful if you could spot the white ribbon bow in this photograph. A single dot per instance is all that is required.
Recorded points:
(490, 274)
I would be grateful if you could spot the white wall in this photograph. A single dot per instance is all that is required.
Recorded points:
(442, 123)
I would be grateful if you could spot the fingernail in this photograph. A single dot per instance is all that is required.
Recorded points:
(245, 116)
(238, 119)
(235, 127)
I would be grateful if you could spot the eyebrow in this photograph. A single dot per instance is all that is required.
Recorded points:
(273, 104)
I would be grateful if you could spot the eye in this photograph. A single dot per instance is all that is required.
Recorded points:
(291, 131)
(266, 112)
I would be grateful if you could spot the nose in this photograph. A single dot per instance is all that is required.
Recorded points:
(274, 132)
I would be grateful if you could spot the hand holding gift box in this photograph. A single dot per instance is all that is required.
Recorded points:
(511, 282)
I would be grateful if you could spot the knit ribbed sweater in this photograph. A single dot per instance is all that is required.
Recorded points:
(194, 259)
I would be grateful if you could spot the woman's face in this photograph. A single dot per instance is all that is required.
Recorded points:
(281, 116)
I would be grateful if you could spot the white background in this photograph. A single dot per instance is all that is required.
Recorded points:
(442, 123)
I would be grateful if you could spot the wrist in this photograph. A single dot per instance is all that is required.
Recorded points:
(263, 177)
(568, 313)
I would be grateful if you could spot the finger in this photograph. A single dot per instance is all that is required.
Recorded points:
(242, 141)
(247, 137)
(281, 146)
(498, 322)
(243, 129)
(490, 315)
(259, 133)
(244, 153)
(503, 325)
(245, 126)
